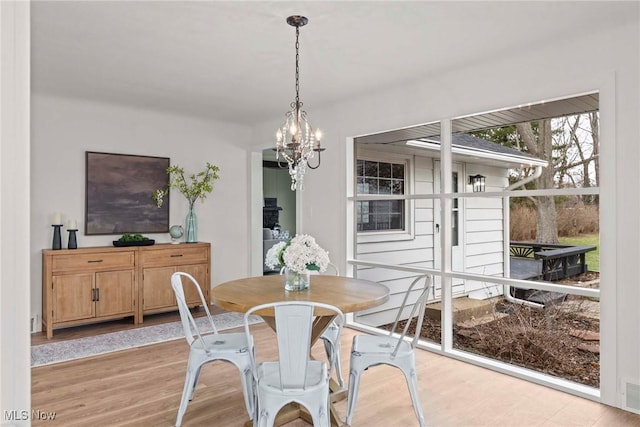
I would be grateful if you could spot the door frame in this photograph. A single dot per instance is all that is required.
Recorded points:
(457, 252)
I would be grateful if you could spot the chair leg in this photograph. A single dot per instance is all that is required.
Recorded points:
(339, 365)
(319, 415)
(184, 400)
(412, 383)
(195, 383)
(334, 348)
(354, 384)
(246, 378)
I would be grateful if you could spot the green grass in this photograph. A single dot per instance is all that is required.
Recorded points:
(593, 257)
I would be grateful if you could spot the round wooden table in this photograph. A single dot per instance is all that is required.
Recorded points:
(348, 294)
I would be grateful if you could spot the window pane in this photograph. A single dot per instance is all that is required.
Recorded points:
(370, 169)
(398, 171)
(371, 186)
(360, 187)
(397, 187)
(397, 206)
(381, 206)
(385, 170)
(396, 221)
(360, 168)
(384, 186)
(454, 228)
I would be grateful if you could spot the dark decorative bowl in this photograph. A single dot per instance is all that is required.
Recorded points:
(119, 244)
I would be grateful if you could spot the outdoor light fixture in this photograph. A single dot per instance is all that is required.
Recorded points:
(296, 140)
(477, 182)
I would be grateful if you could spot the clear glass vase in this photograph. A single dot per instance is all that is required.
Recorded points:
(296, 281)
(191, 225)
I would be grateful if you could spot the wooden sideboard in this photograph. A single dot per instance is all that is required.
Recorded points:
(103, 283)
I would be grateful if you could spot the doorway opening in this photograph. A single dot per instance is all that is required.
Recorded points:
(278, 206)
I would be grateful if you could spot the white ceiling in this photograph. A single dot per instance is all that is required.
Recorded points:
(234, 61)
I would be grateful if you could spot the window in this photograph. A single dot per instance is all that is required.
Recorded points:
(455, 210)
(375, 177)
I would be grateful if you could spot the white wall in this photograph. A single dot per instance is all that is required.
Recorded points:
(63, 129)
(15, 384)
(595, 60)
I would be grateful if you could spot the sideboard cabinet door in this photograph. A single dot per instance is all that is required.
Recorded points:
(73, 297)
(115, 293)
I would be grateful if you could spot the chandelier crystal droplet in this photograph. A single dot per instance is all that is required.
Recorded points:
(296, 140)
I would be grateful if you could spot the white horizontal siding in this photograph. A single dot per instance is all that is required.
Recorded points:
(424, 215)
(424, 229)
(484, 203)
(382, 275)
(483, 260)
(483, 248)
(496, 269)
(402, 257)
(483, 225)
(483, 214)
(418, 242)
(484, 237)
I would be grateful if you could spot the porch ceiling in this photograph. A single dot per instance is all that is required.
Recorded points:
(520, 114)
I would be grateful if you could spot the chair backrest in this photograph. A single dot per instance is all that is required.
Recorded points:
(191, 331)
(417, 309)
(294, 321)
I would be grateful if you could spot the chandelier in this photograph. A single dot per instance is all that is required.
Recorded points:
(296, 141)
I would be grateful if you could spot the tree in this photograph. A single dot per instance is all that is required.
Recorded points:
(541, 146)
(570, 145)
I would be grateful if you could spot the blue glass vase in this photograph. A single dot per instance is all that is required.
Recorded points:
(191, 225)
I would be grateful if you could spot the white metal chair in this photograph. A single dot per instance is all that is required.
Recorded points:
(331, 339)
(331, 336)
(234, 348)
(295, 377)
(368, 351)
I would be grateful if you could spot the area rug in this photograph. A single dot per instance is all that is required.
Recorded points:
(62, 351)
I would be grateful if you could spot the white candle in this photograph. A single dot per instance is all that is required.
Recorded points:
(57, 218)
(72, 225)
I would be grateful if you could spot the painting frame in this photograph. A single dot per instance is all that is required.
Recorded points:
(118, 190)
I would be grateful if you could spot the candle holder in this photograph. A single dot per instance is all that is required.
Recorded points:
(73, 243)
(57, 239)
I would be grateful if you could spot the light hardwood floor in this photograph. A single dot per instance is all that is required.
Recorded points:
(142, 387)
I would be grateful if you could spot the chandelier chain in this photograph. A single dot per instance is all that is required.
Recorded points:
(297, 68)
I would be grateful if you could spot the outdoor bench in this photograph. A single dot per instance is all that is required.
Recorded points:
(558, 261)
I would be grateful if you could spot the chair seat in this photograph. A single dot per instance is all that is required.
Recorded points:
(221, 343)
(269, 376)
(379, 345)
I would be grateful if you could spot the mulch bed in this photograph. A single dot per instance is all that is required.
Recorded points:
(557, 342)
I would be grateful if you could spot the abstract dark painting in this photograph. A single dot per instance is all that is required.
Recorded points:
(119, 189)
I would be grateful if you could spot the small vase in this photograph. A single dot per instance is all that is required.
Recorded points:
(191, 226)
(296, 281)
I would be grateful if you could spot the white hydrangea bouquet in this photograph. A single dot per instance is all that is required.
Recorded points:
(300, 254)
